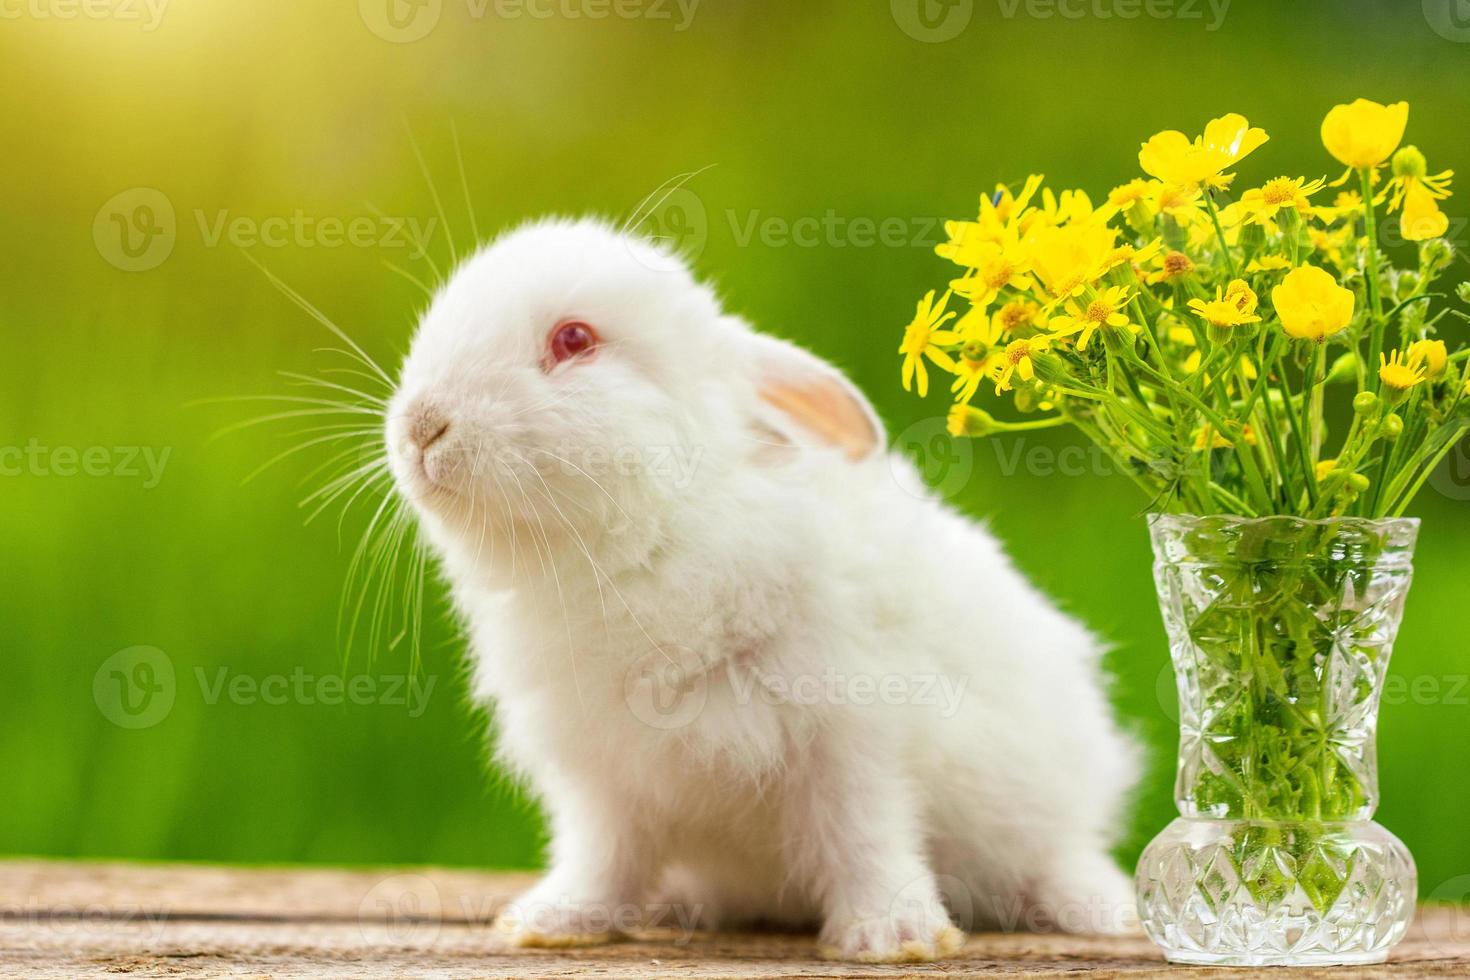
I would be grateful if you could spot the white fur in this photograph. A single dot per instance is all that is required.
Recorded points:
(640, 629)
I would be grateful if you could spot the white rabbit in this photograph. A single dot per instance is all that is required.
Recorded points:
(743, 664)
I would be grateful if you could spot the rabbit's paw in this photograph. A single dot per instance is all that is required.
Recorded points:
(531, 925)
(891, 939)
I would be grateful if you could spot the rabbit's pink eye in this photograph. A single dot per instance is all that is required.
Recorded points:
(571, 340)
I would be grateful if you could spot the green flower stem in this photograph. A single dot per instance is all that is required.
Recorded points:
(1299, 432)
(1315, 395)
(1375, 301)
(1392, 453)
(1269, 435)
(1033, 425)
(1244, 508)
(1434, 454)
(1099, 438)
(1348, 462)
(1220, 233)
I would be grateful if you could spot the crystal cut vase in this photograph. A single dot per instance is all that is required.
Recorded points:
(1280, 631)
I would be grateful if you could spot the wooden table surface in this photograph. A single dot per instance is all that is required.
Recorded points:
(89, 920)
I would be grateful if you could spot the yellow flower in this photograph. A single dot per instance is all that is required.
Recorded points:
(995, 268)
(1398, 372)
(1180, 202)
(1263, 202)
(1365, 133)
(1210, 437)
(1433, 355)
(1170, 266)
(1106, 310)
(1331, 243)
(1072, 207)
(1311, 305)
(999, 223)
(1418, 192)
(1070, 257)
(1006, 209)
(1019, 359)
(1346, 204)
(1242, 296)
(1172, 157)
(1325, 468)
(1129, 194)
(1232, 308)
(1269, 263)
(977, 328)
(1126, 254)
(970, 371)
(1016, 316)
(922, 338)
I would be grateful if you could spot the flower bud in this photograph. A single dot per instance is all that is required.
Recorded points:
(1365, 403)
(1409, 162)
(972, 422)
(1141, 217)
(1052, 369)
(975, 351)
(1359, 483)
(1253, 236)
(1408, 285)
(1463, 291)
(1436, 254)
(1344, 369)
(1392, 427)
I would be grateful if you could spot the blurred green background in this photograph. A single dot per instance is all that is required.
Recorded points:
(824, 122)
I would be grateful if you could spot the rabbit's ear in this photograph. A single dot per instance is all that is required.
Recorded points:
(808, 402)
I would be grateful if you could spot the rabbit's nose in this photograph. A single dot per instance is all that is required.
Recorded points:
(427, 427)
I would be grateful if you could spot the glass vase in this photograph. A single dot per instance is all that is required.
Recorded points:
(1280, 631)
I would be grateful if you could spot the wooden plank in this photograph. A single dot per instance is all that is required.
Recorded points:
(77, 920)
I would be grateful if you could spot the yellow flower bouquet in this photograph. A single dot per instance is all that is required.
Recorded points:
(1199, 340)
(1280, 391)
